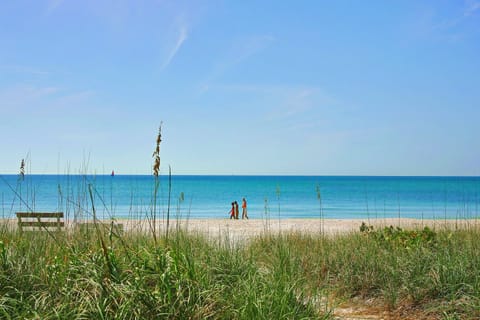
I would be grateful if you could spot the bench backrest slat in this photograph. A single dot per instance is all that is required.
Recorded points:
(39, 214)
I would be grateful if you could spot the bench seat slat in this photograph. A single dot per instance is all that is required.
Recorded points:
(45, 224)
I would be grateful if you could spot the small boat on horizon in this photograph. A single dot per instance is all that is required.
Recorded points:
(113, 173)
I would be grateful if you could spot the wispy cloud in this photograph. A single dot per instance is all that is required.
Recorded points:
(45, 101)
(53, 5)
(23, 69)
(450, 24)
(17, 98)
(284, 101)
(300, 102)
(67, 100)
(471, 8)
(292, 99)
(180, 39)
(241, 49)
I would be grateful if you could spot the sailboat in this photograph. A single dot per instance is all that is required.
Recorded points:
(113, 173)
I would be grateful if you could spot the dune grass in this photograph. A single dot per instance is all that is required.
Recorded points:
(438, 274)
(288, 276)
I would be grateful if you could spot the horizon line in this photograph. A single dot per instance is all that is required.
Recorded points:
(242, 175)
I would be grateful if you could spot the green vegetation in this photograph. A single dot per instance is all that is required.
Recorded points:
(289, 276)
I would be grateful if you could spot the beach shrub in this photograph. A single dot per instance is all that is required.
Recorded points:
(397, 236)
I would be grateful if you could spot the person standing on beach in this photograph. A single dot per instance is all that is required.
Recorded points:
(244, 209)
(236, 210)
(232, 212)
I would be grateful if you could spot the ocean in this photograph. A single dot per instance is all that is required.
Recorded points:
(331, 197)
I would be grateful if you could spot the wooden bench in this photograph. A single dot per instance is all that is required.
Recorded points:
(38, 221)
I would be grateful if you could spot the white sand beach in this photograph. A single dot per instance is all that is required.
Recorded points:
(244, 229)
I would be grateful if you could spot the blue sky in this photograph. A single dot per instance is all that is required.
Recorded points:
(242, 87)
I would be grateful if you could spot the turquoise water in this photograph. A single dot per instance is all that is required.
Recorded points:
(130, 196)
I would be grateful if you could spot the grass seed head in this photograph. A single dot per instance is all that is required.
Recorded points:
(156, 153)
(22, 169)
